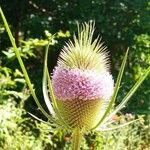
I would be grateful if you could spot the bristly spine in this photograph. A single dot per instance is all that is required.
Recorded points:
(83, 52)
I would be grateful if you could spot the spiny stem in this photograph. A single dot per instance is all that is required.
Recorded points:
(22, 65)
(76, 139)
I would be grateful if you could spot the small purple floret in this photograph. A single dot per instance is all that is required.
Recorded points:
(70, 84)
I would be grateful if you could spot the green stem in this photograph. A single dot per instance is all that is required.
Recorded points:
(76, 139)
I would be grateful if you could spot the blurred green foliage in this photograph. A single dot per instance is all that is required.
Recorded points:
(139, 60)
(121, 23)
(19, 131)
(11, 83)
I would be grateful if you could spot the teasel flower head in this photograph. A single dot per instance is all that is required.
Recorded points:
(81, 80)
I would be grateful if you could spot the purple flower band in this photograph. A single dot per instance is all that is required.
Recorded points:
(70, 84)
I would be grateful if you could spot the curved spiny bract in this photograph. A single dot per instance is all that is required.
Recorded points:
(83, 53)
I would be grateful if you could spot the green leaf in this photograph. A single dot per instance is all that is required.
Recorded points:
(46, 78)
(20, 95)
(130, 93)
(119, 126)
(117, 86)
(39, 119)
(44, 82)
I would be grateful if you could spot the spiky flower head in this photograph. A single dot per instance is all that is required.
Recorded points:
(81, 81)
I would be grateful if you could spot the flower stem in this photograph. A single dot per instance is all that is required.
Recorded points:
(76, 139)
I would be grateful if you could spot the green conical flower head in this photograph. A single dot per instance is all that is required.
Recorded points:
(81, 81)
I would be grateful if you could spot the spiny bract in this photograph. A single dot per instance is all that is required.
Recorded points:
(81, 81)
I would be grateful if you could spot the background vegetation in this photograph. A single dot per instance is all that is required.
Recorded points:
(121, 23)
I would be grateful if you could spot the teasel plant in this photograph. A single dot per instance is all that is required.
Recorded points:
(82, 89)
